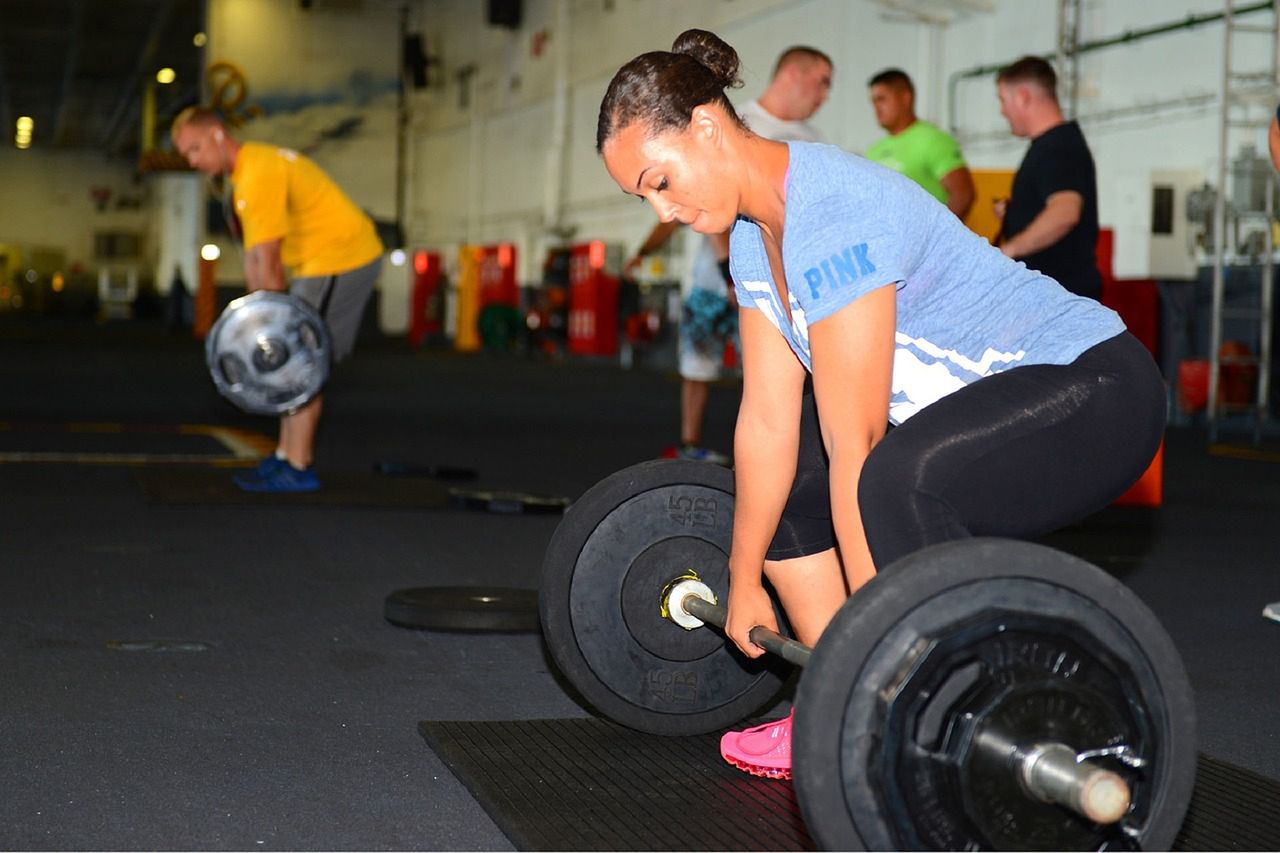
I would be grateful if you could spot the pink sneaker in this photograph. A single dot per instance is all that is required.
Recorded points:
(761, 751)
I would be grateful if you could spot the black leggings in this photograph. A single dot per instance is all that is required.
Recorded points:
(1016, 454)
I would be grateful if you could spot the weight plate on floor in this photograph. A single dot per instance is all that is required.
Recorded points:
(507, 503)
(269, 352)
(436, 472)
(463, 608)
(603, 577)
(986, 641)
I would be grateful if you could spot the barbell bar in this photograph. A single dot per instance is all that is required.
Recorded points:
(934, 691)
(1049, 771)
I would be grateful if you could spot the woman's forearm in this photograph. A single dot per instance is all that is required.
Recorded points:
(846, 516)
(764, 468)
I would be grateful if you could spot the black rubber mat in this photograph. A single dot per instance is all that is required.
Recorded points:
(594, 785)
(1231, 809)
(588, 784)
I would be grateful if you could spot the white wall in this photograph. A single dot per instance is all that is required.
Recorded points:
(324, 80)
(1148, 106)
(46, 203)
(478, 171)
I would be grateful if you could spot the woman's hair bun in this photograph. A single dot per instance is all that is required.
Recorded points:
(713, 53)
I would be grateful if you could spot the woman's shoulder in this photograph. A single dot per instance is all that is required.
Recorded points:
(821, 171)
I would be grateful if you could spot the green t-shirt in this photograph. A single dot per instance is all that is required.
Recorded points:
(923, 152)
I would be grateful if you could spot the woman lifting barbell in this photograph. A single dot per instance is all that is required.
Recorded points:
(954, 392)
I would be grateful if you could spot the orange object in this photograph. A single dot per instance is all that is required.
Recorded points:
(593, 301)
(1149, 490)
(1238, 374)
(1193, 385)
(206, 302)
(426, 281)
(990, 186)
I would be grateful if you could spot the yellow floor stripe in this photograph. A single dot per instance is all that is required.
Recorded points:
(243, 446)
(241, 442)
(1252, 453)
(130, 459)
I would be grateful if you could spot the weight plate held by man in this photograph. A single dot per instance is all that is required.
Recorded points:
(269, 352)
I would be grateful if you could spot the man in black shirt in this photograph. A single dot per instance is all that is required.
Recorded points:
(1051, 220)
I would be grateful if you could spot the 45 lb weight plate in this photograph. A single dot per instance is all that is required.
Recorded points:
(603, 577)
(946, 676)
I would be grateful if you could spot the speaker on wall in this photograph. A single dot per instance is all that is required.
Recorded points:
(505, 13)
(415, 60)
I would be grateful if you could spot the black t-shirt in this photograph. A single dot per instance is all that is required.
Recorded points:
(1058, 160)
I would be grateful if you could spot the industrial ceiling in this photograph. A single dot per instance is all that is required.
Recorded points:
(79, 69)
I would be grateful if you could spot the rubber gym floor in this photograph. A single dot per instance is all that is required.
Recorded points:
(187, 676)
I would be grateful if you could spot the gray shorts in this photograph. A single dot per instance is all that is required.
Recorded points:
(340, 299)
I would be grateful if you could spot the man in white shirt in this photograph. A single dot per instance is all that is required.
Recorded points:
(800, 84)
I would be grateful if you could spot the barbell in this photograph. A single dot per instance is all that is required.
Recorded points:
(977, 694)
(269, 352)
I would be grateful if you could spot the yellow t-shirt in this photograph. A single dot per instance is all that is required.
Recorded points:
(281, 194)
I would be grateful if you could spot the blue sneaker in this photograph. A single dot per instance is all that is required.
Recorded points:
(280, 479)
(701, 454)
(268, 464)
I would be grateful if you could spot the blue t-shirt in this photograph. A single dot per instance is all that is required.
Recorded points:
(964, 309)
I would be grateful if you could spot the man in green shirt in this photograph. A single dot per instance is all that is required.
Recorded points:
(923, 152)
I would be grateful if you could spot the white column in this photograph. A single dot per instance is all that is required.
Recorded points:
(180, 227)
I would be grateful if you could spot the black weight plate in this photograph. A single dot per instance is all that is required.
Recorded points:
(987, 632)
(463, 608)
(507, 503)
(390, 468)
(611, 556)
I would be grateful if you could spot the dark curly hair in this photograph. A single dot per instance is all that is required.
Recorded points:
(662, 88)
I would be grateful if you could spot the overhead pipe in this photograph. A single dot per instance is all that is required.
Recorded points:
(6, 104)
(131, 89)
(556, 167)
(1127, 37)
(69, 62)
(402, 127)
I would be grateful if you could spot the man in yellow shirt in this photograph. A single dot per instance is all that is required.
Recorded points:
(292, 217)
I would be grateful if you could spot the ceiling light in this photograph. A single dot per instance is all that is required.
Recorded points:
(210, 251)
(25, 123)
(199, 39)
(166, 75)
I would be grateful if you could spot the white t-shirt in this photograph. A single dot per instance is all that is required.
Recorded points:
(764, 123)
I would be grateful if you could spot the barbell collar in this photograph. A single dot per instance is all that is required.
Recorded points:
(771, 641)
(1054, 773)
